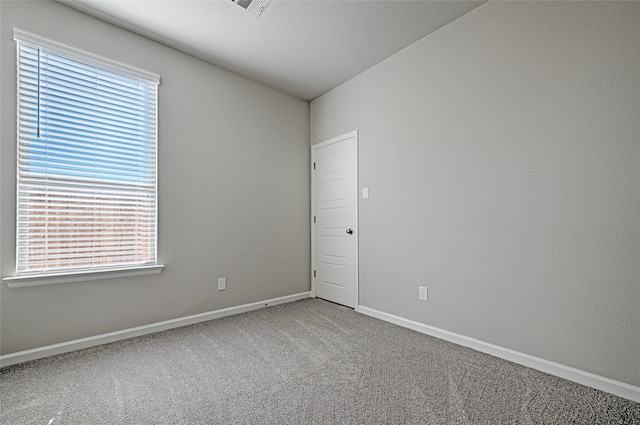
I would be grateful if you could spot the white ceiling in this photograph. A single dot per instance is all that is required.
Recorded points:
(302, 47)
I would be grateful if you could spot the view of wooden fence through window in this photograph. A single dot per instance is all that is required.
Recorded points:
(76, 227)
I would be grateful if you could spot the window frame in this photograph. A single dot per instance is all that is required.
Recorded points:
(83, 273)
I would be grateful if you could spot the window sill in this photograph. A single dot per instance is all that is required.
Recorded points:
(55, 278)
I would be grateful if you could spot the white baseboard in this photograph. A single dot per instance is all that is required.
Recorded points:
(611, 386)
(78, 344)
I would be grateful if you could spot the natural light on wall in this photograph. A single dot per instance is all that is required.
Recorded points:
(86, 163)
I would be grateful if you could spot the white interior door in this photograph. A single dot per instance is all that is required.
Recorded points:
(335, 226)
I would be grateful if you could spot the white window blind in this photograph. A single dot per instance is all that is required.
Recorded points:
(86, 163)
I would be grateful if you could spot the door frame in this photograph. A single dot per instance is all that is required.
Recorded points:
(314, 149)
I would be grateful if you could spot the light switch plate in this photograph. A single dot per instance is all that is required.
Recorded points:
(365, 192)
(423, 293)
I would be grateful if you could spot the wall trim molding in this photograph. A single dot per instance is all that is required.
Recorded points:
(602, 383)
(78, 344)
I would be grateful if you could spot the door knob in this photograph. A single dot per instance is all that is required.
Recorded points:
(350, 231)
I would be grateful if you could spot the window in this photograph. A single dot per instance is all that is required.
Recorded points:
(86, 163)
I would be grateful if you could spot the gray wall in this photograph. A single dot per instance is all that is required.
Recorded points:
(502, 156)
(233, 191)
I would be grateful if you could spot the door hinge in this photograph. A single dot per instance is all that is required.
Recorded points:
(314, 218)
(314, 165)
(314, 273)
